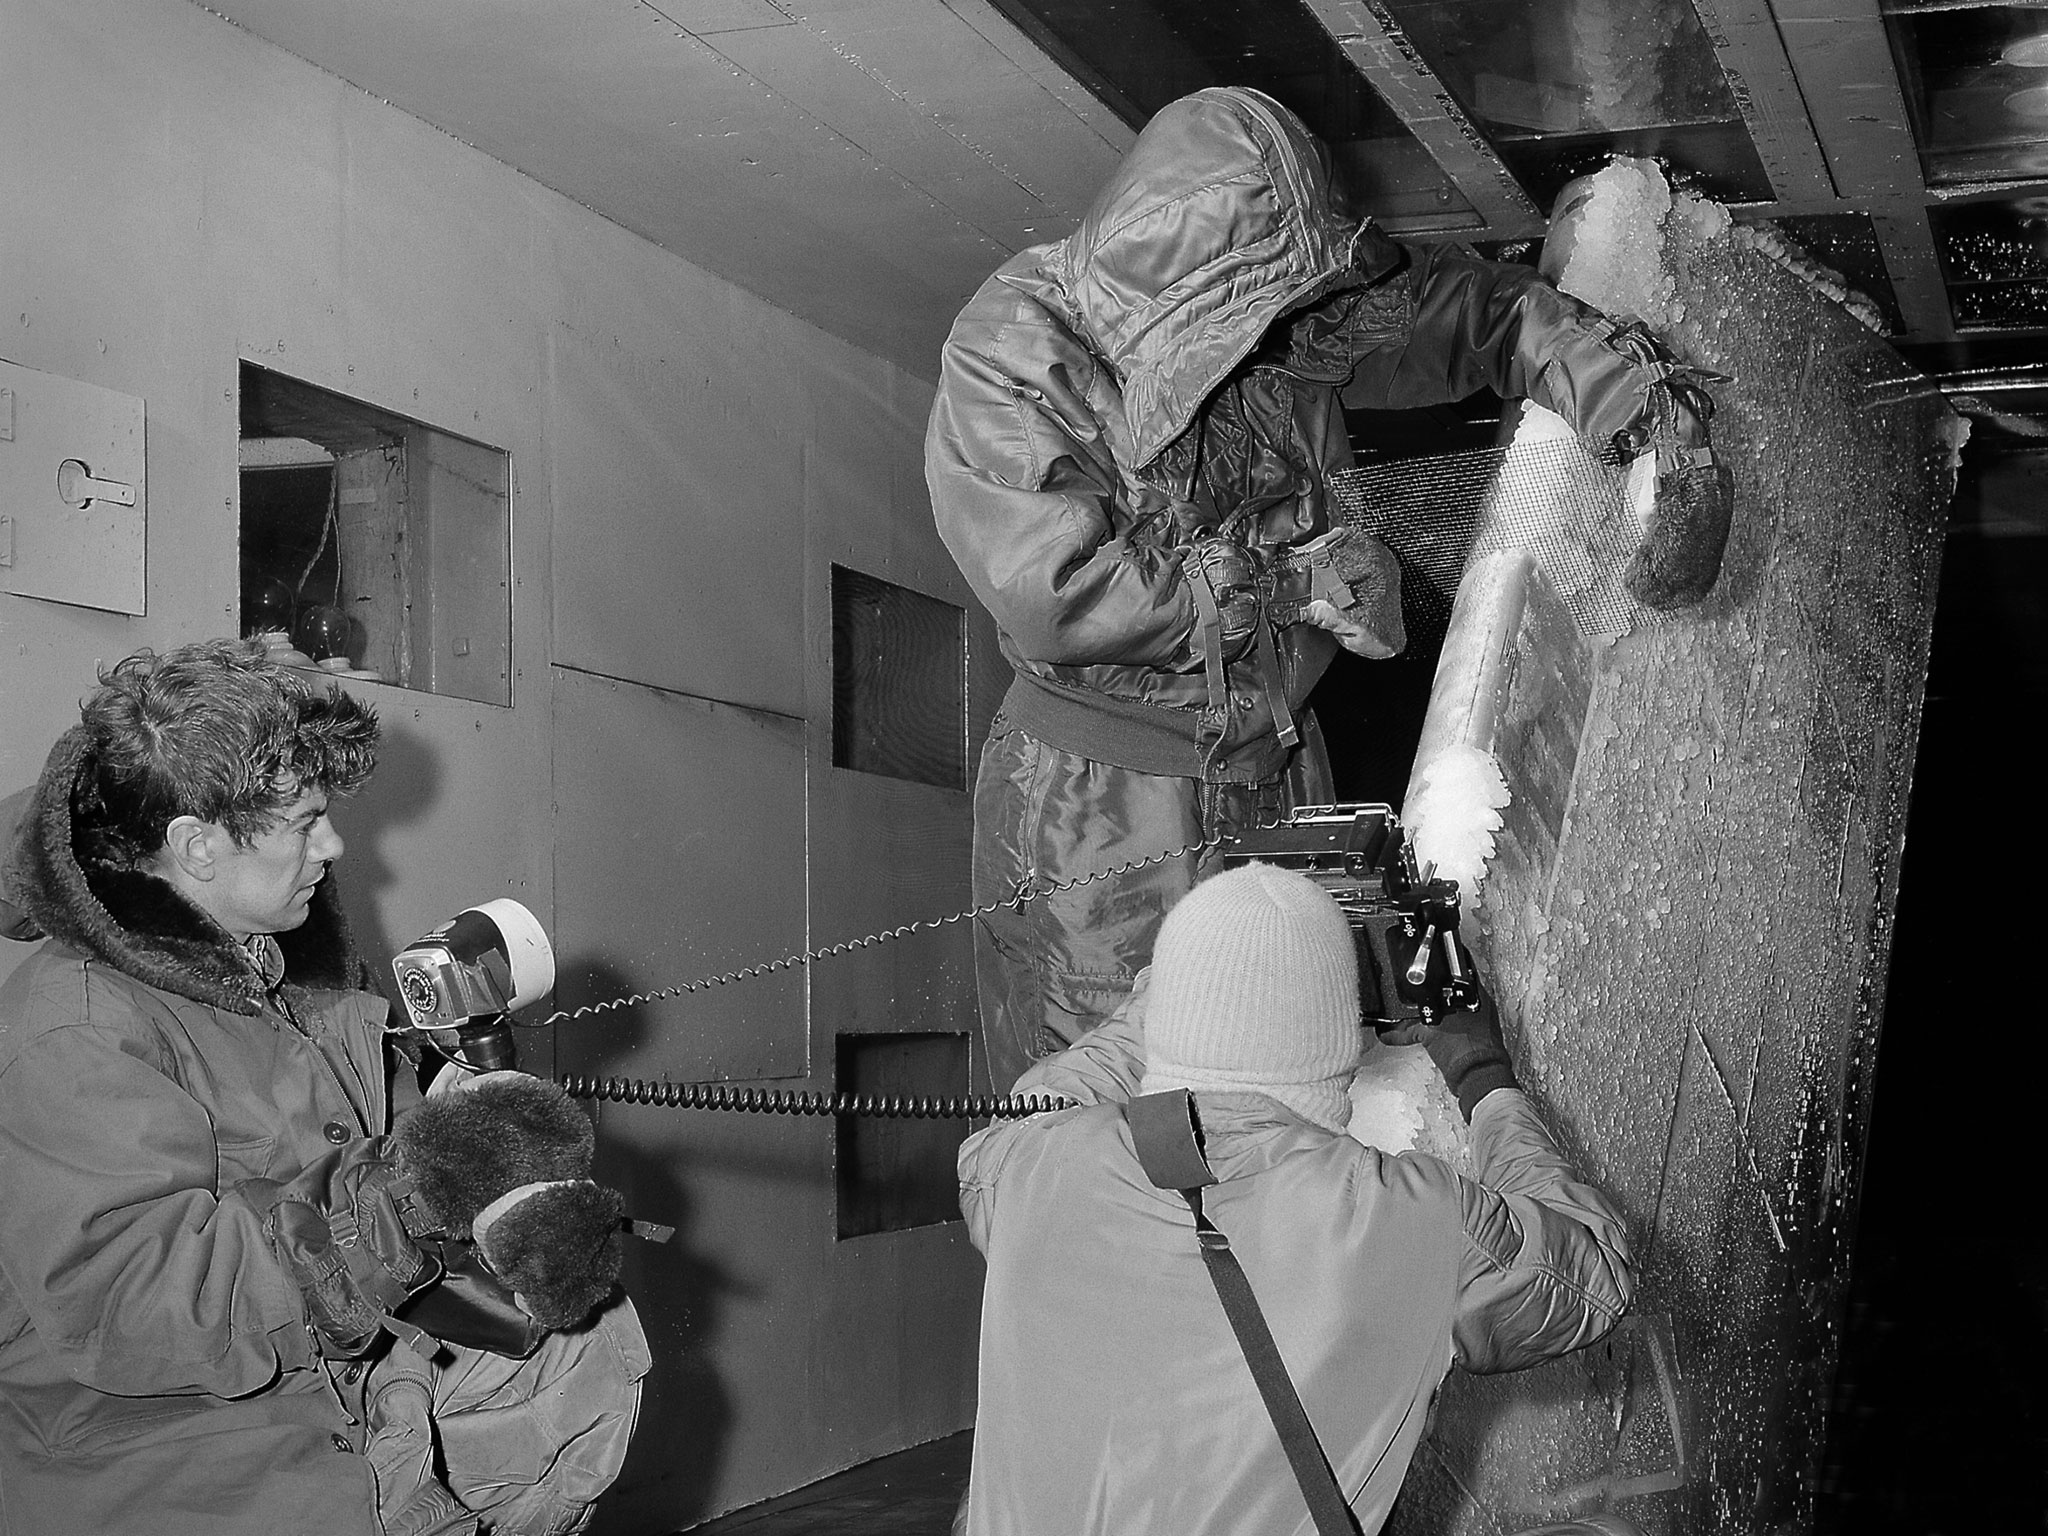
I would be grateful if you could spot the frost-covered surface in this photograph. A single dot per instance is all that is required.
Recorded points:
(1824, 279)
(1453, 813)
(1399, 1104)
(1606, 247)
(1955, 432)
(1492, 778)
(1687, 914)
(1607, 238)
(1579, 516)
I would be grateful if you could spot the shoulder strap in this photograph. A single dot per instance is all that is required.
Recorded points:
(1168, 1141)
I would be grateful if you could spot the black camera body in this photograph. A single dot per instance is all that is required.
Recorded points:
(1412, 968)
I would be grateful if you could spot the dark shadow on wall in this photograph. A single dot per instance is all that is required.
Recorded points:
(1371, 714)
(399, 798)
(678, 1291)
(1938, 1421)
(678, 1288)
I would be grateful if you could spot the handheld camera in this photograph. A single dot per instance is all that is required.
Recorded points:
(1412, 968)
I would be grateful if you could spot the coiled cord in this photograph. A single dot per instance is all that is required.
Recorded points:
(778, 1101)
(1029, 890)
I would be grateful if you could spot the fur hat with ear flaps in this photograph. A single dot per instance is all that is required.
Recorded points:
(1255, 990)
(505, 1159)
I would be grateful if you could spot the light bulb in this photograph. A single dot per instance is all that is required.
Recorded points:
(268, 608)
(2027, 52)
(322, 632)
(2032, 102)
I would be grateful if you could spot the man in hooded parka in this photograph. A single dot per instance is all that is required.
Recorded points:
(191, 1059)
(1129, 458)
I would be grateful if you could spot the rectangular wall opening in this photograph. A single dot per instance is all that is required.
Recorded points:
(899, 681)
(898, 1173)
(372, 545)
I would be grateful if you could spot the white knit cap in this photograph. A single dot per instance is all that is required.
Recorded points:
(1255, 990)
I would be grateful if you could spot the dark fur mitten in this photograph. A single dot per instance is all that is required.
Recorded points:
(517, 1152)
(559, 1250)
(464, 1149)
(1369, 568)
(1680, 556)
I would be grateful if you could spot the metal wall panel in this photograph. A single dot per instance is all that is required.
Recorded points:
(679, 855)
(678, 488)
(694, 836)
(293, 220)
(72, 489)
(886, 852)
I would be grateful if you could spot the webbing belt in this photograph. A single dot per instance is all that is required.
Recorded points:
(1167, 1138)
(1209, 620)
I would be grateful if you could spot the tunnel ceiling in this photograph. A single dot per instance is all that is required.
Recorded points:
(864, 164)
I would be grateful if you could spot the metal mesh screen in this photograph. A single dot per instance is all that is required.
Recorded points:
(899, 681)
(1559, 498)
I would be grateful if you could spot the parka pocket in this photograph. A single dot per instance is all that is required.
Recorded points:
(242, 1157)
(116, 1420)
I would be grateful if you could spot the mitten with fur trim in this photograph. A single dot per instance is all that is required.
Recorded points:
(505, 1161)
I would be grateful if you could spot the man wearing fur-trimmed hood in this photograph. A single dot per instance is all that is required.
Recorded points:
(1129, 459)
(207, 1228)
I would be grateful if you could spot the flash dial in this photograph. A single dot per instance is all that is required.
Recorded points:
(422, 998)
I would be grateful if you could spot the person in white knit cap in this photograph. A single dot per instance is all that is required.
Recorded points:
(1255, 990)
(1114, 1395)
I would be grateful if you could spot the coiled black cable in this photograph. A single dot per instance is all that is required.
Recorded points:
(779, 1101)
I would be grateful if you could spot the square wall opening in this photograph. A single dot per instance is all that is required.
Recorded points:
(899, 681)
(898, 1172)
(373, 545)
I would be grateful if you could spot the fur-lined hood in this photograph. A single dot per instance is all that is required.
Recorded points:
(136, 922)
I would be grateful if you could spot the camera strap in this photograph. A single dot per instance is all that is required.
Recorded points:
(1167, 1137)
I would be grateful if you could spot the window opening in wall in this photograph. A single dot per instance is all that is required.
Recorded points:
(373, 545)
(895, 1174)
(899, 681)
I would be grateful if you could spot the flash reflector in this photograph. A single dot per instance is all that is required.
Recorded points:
(484, 962)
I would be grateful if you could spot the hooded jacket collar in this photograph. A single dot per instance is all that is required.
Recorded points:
(137, 923)
(1218, 221)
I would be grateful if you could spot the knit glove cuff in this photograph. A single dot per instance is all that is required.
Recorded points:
(1471, 1054)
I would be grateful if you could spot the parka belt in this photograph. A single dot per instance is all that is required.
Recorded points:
(1145, 738)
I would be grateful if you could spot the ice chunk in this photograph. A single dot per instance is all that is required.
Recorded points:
(1453, 812)
(1606, 238)
(1399, 1104)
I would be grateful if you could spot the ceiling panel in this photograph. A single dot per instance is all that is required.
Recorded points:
(864, 164)
(1557, 86)
(1995, 257)
(1752, 55)
(858, 165)
(1138, 55)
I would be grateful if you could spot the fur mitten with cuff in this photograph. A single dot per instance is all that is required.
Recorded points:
(504, 1162)
(474, 1222)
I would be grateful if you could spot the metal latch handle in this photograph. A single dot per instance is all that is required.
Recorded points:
(77, 487)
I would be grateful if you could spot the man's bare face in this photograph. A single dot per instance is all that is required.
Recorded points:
(267, 887)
